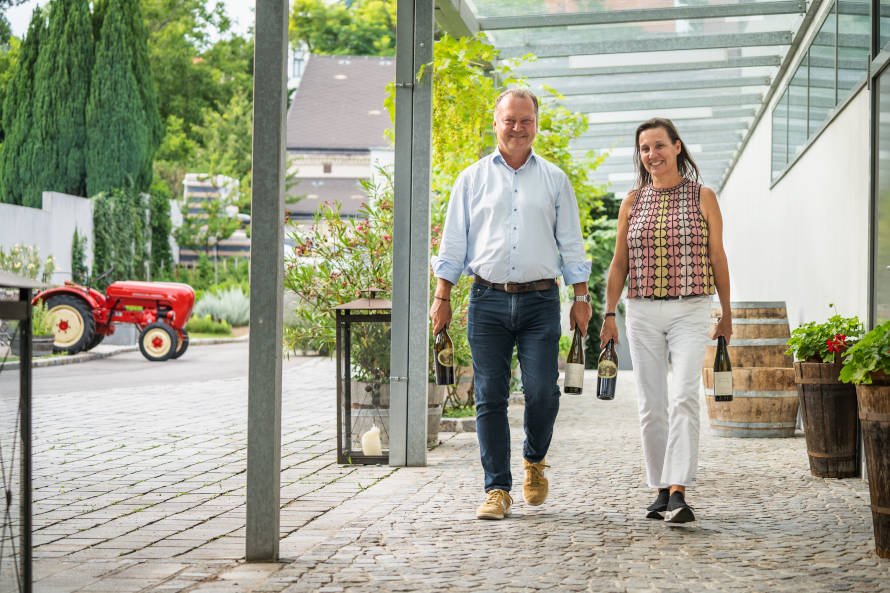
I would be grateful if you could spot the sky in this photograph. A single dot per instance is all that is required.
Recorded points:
(240, 11)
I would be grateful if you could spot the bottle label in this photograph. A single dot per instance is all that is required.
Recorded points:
(574, 375)
(607, 369)
(723, 383)
(446, 357)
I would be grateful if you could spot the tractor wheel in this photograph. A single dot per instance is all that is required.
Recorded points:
(183, 346)
(74, 328)
(97, 339)
(158, 341)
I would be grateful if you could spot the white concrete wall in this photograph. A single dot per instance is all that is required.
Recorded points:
(50, 229)
(805, 241)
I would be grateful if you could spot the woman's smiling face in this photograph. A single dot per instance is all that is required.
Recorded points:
(657, 153)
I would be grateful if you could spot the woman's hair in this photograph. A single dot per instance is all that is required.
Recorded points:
(685, 165)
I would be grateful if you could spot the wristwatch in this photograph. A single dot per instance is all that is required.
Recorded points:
(582, 298)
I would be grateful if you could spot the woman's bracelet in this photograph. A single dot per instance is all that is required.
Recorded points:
(435, 296)
(609, 315)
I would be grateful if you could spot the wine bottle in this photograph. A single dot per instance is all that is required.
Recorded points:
(722, 372)
(607, 372)
(574, 382)
(443, 348)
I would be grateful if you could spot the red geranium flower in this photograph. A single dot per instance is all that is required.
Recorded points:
(837, 344)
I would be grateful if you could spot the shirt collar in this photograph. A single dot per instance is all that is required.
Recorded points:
(497, 157)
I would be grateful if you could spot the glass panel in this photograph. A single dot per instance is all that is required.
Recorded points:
(881, 271)
(369, 388)
(780, 134)
(854, 34)
(885, 23)
(822, 73)
(797, 110)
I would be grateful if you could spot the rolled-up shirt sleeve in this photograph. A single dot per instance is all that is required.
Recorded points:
(574, 263)
(452, 258)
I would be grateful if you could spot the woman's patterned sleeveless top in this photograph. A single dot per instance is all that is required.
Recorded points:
(667, 242)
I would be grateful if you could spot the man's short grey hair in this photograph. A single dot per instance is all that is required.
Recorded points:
(517, 92)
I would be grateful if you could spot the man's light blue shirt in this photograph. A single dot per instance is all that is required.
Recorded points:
(512, 225)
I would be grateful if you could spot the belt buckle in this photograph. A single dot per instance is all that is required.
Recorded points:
(511, 287)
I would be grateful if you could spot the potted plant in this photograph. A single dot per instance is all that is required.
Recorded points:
(828, 407)
(42, 336)
(867, 365)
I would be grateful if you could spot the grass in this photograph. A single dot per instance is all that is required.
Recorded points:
(459, 412)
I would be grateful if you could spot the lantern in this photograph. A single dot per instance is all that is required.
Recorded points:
(363, 348)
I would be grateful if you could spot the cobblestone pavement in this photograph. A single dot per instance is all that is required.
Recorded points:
(145, 493)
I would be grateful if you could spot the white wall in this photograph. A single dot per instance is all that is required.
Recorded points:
(805, 241)
(50, 229)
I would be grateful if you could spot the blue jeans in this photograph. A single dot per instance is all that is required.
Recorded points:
(497, 322)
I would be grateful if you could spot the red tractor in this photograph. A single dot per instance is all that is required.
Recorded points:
(83, 316)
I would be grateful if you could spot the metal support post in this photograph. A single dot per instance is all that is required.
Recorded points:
(409, 362)
(266, 281)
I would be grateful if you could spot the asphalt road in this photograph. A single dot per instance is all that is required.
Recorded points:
(200, 363)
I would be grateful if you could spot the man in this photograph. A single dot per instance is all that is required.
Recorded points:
(513, 225)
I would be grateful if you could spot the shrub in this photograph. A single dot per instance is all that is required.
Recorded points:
(207, 325)
(41, 322)
(230, 305)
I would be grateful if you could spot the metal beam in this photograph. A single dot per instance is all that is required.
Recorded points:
(659, 44)
(266, 282)
(710, 124)
(456, 18)
(597, 106)
(536, 71)
(409, 361)
(610, 17)
(604, 87)
(604, 142)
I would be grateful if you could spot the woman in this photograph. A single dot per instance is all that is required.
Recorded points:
(670, 243)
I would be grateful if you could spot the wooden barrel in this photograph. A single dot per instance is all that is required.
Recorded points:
(765, 400)
(874, 413)
(830, 421)
(764, 403)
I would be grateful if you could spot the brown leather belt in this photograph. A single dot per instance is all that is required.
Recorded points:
(513, 287)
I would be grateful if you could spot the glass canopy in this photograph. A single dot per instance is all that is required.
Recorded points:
(709, 65)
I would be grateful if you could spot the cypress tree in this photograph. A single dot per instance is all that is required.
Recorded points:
(20, 151)
(61, 86)
(117, 134)
(141, 63)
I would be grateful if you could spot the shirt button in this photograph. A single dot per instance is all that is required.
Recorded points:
(515, 191)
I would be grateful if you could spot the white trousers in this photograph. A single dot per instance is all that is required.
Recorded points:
(669, 416)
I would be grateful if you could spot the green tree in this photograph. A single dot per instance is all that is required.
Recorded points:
(358, 28)
(8, 60)
(118, 135)
(61, 86)
(79, 271)
(209, 223)
(226, 145)
(119, 244)
(19, 154)
(160, 228)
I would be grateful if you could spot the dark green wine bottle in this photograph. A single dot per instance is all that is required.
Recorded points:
(722, 372)
(607, 372)
(574, 382)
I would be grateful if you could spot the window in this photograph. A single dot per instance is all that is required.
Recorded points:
(326, 167)
(835, 63)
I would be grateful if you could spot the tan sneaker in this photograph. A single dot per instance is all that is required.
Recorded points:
(536, 486)
(496, 506)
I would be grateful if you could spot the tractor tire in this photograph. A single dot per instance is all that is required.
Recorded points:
(183, 346)
(74, 328)
(97, 339)
(158, 342)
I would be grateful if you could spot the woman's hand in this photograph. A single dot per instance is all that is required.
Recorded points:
(723, 327)
(609, 331)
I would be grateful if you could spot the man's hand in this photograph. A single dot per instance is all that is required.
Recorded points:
(580, 316)
(440, 313)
